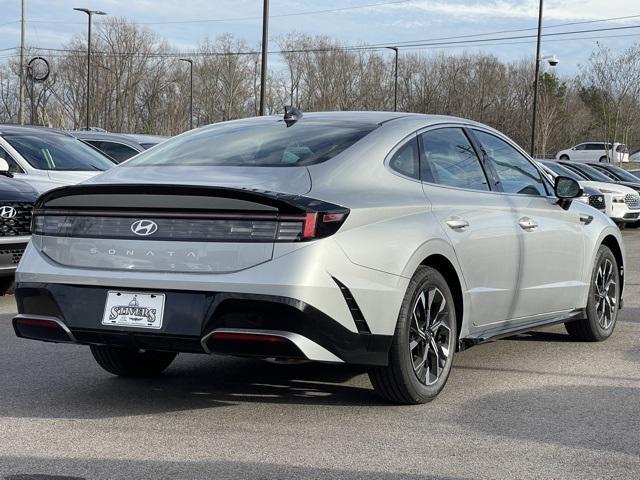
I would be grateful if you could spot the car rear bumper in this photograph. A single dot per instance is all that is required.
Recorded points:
(199, 322)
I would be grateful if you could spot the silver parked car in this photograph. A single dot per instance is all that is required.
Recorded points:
(381, 239)
(47, 158)
(118, 146)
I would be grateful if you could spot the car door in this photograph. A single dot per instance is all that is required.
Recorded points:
(579, 152)
(481, 227)
(551, 238)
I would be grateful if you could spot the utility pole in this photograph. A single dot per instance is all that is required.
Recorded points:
(190, 62)
(395, 87)
(21, 105)
(265, 47)
(535, 82)
(89, 14)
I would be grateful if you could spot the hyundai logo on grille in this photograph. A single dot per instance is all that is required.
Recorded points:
(7, 212)
(144, 228)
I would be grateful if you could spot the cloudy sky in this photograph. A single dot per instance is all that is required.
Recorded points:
(53, 22)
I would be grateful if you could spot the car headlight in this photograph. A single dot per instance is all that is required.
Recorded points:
(618, 198)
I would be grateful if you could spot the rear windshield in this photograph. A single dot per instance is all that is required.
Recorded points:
(57, 152)
(619, 173)
(262, 144)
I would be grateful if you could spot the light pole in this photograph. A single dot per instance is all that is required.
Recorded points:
(190, 62)
(21, 96)
(89, 13)
(265, 47)
(395, 85)
(535, 81)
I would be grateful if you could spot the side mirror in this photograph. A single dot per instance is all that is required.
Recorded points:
(4, 168)
(573, 148)
(566, 189)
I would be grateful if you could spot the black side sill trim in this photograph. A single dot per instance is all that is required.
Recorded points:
(356, 313)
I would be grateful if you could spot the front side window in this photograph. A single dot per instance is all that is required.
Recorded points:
(582, 146)
(57, 152)
(449, 159)
(264, 143)
(516, 173)
(406, 160)
(13, 166)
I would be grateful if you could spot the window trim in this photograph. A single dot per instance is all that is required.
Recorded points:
(413, 137)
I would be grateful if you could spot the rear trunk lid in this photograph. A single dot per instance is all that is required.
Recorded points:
(174, 228)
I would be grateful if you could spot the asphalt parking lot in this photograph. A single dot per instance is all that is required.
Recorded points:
(533, 406)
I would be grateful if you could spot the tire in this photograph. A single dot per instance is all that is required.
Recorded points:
(399, 382)
(131, 363)
(602, 160)
(564, 157)
(602, 306)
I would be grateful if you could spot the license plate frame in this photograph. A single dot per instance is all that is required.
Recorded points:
(134, 309)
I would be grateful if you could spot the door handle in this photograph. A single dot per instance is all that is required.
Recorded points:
(527, 223)
(586, 219)
(457, 223)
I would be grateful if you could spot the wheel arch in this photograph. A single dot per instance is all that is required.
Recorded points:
(612, 243)
(449, 272)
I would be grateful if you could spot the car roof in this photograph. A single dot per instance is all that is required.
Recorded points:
(14, 129)
(126, 138)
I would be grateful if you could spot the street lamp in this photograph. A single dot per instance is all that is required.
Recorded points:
(190, 62)
(395, 87)
(265, 47)
(89, 13)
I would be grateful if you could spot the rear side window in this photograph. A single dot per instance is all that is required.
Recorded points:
(449, 159)
(595, 146)
(406, 160)
(263, 143)
(516, 173)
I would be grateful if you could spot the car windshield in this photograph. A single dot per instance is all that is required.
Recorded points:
(589, 172)
(620, 173)
(260, 144)
(57, 152)
(565, 172)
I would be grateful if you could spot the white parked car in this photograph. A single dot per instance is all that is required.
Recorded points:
(47, 159)
(595, 152)
(625, 201)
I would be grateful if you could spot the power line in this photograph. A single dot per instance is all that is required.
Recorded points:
(241, 19)
(345, 48)
(527, 42)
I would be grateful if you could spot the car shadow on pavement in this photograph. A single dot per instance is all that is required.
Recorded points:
(541, 336)
(193, 382)
(71, 469)
(602, 417)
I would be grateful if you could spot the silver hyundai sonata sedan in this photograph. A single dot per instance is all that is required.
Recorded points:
(387, 240)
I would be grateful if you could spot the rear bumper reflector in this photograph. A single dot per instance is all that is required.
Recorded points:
(265, 343)
(48, 329)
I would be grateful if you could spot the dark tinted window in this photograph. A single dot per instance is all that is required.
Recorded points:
(516, 173)
(617, 172)
(449, 159)
(582, 146)
(595, 146)
(589, 172)
(262, 143)
(406, 160)
(147, 146)
(117, 151)
(13, 166)
(57, 152)
(565, 172)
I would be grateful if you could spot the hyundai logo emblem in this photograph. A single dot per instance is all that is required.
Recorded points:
(7, 212)
(144, 228)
